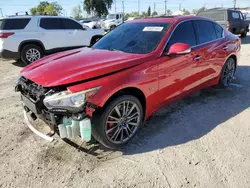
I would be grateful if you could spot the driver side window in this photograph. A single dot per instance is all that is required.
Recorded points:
(184, 33)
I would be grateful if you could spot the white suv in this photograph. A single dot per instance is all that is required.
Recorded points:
(31, 37)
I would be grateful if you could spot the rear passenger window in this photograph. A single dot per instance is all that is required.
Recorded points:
(205, 31)
(184, 33)
(14, 24)
(51, 23)
(219, 31)
(236, 15)
(70, 24)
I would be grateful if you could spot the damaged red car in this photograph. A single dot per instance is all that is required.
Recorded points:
(108, 90)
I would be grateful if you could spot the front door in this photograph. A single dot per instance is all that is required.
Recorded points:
(176, 72)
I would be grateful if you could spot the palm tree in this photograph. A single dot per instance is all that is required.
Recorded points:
(98, 7)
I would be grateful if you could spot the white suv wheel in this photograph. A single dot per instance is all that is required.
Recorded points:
(33, 55)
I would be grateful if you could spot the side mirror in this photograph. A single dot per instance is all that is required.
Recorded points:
(179, 49)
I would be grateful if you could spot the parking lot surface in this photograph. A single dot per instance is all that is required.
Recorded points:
(200, 141)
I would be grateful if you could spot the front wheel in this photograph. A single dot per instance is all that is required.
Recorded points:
(227, 73)
(117, 123)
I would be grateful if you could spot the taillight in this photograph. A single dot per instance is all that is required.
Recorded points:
(6, 35)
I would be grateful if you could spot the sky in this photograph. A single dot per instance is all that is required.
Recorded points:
(10, 7)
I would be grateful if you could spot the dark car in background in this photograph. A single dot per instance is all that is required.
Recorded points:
(231, 19)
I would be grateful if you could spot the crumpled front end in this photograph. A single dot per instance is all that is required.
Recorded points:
(54, 106)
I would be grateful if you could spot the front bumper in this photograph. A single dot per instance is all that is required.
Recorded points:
(6, 54)
(32, 128)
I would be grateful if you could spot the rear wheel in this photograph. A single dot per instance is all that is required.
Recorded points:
(116, 124)
(227, 73)
(244, 34)
(31, 53)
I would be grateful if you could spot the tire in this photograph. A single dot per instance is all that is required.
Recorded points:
(115, 135)
(227, 73)
(112, 27)
(28, 50)
(243, 35)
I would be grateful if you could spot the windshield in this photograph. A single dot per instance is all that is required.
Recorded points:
(138, 38)
(111, 16)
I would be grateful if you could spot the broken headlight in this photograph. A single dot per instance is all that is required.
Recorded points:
(69, 100)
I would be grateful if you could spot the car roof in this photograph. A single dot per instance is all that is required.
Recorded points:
(32, 16)
(169, 19)
(219, 9)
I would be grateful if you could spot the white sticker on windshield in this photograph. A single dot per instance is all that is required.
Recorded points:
(155, 29)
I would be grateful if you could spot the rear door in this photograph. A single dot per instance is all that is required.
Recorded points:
(52, 33)
(235, 21)
(176, 71)
(76, 34)
(210, 50)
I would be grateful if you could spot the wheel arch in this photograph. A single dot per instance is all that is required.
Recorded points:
(33, 41)
(134, 91)
(94, 37)
(235, 59)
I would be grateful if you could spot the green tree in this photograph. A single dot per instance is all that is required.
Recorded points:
(132, 14)
(144, 14)
(199, 10)
(45, 7)
(98, 7)
(169, 12)
(154, 13)
(185, 12)
(149, 11)
(76, 12)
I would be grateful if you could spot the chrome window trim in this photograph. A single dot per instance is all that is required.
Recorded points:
(195, 34)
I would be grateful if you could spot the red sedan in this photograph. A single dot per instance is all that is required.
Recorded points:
(108, 90)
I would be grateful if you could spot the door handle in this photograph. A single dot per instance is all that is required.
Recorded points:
(225, 48)
(197, 57)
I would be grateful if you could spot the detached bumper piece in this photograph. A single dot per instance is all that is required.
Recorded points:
(46, 137)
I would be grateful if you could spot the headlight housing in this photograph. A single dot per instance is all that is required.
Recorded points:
(68, 100)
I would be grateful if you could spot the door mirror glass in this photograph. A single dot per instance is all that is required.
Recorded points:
(179, 49)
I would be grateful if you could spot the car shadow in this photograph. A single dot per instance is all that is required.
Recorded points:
(245, 40)
(19, 63)
(193, 117)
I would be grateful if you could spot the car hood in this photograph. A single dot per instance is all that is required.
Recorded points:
(108, 21)
(79, 65)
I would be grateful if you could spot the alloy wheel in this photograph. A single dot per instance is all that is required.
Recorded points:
(228, 73)
(33, 55)
(122, 122)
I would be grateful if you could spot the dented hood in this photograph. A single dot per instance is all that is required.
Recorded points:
(78, 65)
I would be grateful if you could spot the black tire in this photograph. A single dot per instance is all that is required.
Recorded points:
(227, 73)
(112, 27)
(244, 34)
(100, 124)
(27, 49)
